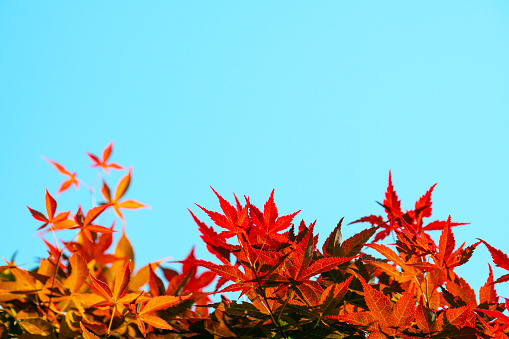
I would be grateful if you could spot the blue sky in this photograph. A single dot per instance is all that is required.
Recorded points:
(318, 100)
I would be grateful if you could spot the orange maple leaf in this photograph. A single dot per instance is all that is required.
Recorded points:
(71, 180)
(84, 223)
(103, 163)
(122, 187)
(57, 222)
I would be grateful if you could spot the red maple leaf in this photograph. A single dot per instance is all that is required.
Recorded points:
(410, 221)
(56, 222)
(103, 162)
(84, 223)
(383, 318)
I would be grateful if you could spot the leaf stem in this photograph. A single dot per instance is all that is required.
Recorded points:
(111, 320)
(53, 280)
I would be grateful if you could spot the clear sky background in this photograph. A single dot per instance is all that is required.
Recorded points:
(316, 99)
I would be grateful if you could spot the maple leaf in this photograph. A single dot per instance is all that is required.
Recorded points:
(117, 298)
(407, 273)
(74, 283)
(410, 221)
(112, 298)
(103, 162)
(147, 311)
(300, 267)
(447, 258)
(95, 249)
(85, 223)
(234, 220)
(304, 268)
(332, 296)
(216, 243)
(71, 180)
(383, 318)
(500, 259)
(120, 190)
(57, 222)
(269, 222)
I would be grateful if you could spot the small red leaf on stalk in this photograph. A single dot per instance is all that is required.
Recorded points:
(83, 223)
(103, 163)
(51, 207)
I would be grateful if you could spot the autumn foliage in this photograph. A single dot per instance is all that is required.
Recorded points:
(286, 284)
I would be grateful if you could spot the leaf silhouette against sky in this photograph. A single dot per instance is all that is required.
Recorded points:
(120, 190)
(55, 221)
(103, 162)
(71, 180)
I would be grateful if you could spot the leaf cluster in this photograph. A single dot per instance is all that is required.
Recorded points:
(290, 286)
